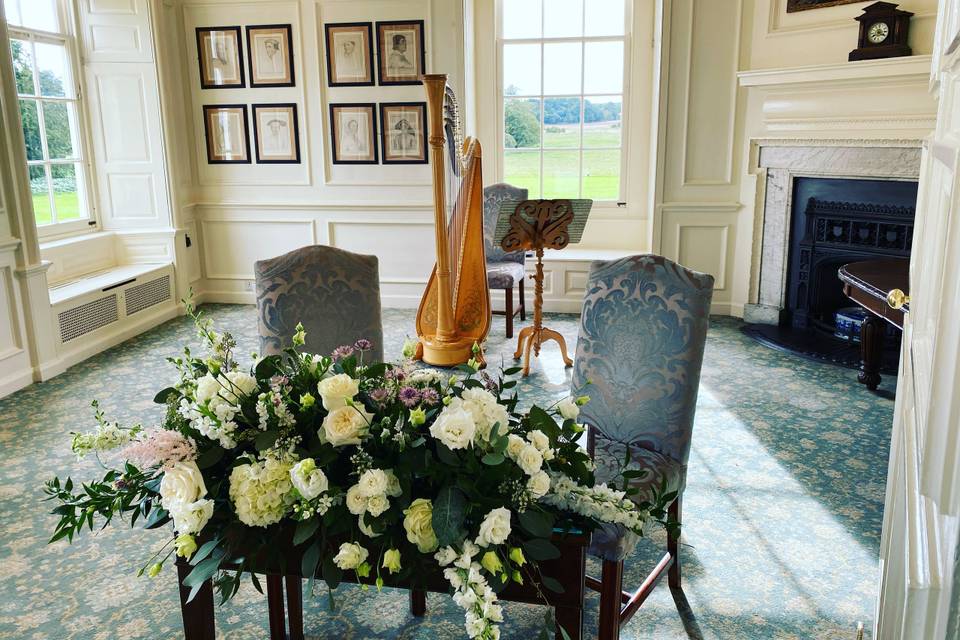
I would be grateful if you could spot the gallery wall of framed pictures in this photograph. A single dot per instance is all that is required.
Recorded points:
(268, 51)
(367, 54)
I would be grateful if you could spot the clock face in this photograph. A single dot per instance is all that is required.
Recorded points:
(878, 32)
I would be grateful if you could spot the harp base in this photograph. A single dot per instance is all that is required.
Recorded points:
(444, 352)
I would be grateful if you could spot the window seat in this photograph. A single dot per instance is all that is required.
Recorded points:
(103, 280)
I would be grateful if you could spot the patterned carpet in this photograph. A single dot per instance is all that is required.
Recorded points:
(782, 510)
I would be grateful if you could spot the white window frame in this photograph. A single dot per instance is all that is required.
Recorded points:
(620, 201)
(67, 38)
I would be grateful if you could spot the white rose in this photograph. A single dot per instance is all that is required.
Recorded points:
(350, 556)
(539, 484)
(454, 428)
(539, 439)
(377, 504)
(307, 479)
(530, 459)
(373, 482)
(445, 556)
(207, 388)
(514, 444)
(495, 528)
(568, 409)
(336, 390)
(364, 529)
(183, 483)
(190, 518)
(418, 523)
(393, 484)
(346, 425)
(356, 502)
(237, 385)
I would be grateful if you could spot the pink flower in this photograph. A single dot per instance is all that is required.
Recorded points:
(161, 448)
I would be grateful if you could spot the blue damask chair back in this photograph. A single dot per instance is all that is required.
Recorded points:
(643, 329)
(334, 293)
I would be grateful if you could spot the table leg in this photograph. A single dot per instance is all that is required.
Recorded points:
(294, 587)
(278, 626)
(418, 602)
(571, 619)
(871, 351)
(198, 621)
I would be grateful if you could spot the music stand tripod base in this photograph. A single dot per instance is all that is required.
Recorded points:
(533, 338)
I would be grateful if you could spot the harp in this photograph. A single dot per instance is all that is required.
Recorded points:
(454, 312)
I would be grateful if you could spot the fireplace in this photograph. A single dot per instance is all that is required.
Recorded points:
(833, 222)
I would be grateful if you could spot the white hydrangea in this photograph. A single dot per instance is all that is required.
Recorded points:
(260, 491)
(424, 377)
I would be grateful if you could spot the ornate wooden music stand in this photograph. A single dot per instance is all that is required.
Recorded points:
(537, 225)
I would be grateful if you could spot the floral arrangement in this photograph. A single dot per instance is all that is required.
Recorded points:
(377, 469)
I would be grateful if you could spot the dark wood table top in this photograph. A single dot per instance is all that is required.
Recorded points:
(867, 283)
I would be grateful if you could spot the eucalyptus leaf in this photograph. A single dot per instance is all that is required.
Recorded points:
(493, 459)
(540, 549)
(305, 529)
(266, 440)
(311, 557)
(202, 572)
(210, 457)
(166, 395)
(536, 523)
(449, 512)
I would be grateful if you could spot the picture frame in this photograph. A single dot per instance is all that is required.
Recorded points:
(395, 50)
(220, 57)
(225, 128)
(403, 136)
(270, 55)
(353, 133)
(804, 5)
(349, 47)
(276, 133)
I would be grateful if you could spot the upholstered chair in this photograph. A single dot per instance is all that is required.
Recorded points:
(643, 328)
(504, 270)
(335, 294)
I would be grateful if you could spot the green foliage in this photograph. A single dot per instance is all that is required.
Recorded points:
(449, 512)
(521, 123)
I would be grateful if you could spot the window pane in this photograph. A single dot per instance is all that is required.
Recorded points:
(52, 67)
(521, 18)
(38, 14)
(521, 69)
(41, 195)
(602, 121)
(66, 195)
(522, 169)
(604, 18)
(561, 122)
(601, 174)
(603, 67)
(22, 66)
(561, 174)
(521, 123)
(561, 68)
(11, 9)
(31, 129)
(563, 18)
(56, 124)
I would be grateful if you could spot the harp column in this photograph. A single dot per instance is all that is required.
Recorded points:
(446, 347)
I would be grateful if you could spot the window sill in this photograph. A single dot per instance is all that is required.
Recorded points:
(67, 241)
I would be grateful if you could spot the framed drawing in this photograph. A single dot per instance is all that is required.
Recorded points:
(400, 52)
(225, 126)
(803, 5)
(404, 132)
(353, 133)
(220, 52)
(270, 55)
(349, 54)
(276, 133)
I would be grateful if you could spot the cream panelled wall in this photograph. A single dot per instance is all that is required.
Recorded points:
(740, 74)
(243, 213)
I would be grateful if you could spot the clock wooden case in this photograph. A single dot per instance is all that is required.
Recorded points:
(883, 32)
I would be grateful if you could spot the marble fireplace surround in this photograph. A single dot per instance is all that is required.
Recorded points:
(779, 163)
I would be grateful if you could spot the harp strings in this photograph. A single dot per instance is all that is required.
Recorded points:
(454, 159)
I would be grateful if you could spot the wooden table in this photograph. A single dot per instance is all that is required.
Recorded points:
(869, 283)
(569, 569)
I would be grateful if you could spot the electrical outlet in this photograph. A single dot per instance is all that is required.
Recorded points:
(251, 286)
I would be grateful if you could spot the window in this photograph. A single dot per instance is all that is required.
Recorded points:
(562, 79)
(43, 64)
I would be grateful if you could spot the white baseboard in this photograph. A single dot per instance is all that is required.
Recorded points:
(734, 309)
(15, 381)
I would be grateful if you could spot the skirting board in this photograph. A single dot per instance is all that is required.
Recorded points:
(15, 382)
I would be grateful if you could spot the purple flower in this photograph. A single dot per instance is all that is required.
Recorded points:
(363, 345)
(429, 396)
(488, 382)
(341, 352)
(409, 396)
(395, 374)
(380, 396)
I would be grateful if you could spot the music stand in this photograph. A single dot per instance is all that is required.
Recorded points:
(537, 225)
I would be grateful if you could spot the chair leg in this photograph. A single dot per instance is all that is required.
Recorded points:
(508, 309)
(523, 302)
(418, 602)
(673, 546)
(611, 590)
